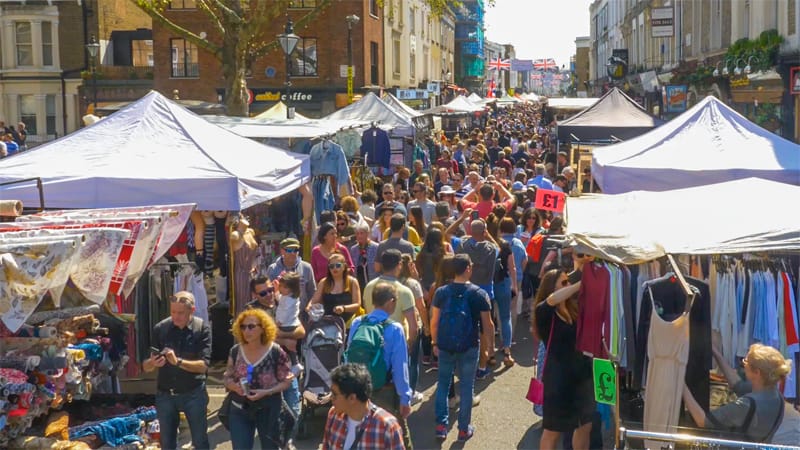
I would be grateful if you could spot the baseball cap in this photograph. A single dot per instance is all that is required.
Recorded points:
(290, 243)
(517, 187)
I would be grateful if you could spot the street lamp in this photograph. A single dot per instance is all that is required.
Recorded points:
(352, 19)
(288, 41)
(93, 47)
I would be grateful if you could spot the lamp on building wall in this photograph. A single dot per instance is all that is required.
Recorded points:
(748, 68)
(352, 19)
(716, 71)
(93, 48)
(288, 41)
(736, 69)
(725, 71)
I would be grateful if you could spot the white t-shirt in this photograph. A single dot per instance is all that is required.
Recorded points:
(351, 432)
(287, 314)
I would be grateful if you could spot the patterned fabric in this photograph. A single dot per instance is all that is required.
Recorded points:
(99, 252)
(28, 271)
(267, 373)
(382, 431)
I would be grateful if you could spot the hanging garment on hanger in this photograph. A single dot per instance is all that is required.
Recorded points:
(668, 352)
(243, 265)
(726, 318)
(593, 325)
(187, 280)
(375, 145)
(323, 196)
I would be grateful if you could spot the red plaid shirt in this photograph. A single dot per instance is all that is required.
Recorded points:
(382, 431)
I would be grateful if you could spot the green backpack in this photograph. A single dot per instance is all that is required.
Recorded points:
(366, 348)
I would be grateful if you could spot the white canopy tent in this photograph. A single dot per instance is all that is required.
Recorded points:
(458, 105)
(395, 103)
(570, 104)
(709, 143)
(370, 108)
(507, 100)
(642, 225)
(475, 98)
(254, 128)
(153, 152)
(278, 111)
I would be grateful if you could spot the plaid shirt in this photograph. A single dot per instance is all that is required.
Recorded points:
(382, 431)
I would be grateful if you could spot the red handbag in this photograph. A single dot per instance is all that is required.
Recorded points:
(536, 387)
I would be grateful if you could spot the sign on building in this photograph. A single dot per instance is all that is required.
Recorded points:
(662, 22)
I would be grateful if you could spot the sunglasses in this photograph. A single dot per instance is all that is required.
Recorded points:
(335, 265)
(266, 292)
(388, 193)
(341, 224)
(182, 300)
(291, 250)
(248, 326)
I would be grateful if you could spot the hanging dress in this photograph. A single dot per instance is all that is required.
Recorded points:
(668, 352)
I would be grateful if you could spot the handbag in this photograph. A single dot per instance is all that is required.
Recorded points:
(535, 393)
(224, 413)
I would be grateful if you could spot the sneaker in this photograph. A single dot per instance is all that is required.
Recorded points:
(465, 435)
(481, 374)
(508, 361)
(426, 360)
(416, 397)
(441, 431)
(453, 402)
(476, 400)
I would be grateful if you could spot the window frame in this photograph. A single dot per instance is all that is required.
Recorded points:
(175, 59)
(51, 120)
(50, 44)
(17, 44)
(374, 63)
(302, 4)
(24, 117)
(301, 47)
(171, 6)
(374, 8)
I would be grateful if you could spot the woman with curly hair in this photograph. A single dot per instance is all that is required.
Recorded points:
(258, 372)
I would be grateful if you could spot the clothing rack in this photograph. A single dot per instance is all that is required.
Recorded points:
(695, 441)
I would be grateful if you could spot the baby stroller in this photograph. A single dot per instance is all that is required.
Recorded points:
(323, 350)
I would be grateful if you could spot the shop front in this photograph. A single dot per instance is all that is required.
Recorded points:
(758, 97)
(310, 102)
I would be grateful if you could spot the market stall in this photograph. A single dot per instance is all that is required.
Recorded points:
(685, 257)
(709, 143)
(615, 116)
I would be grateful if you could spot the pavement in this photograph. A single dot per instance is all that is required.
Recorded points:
(503, 420)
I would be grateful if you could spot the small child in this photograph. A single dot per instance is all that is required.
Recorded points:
(287, 314)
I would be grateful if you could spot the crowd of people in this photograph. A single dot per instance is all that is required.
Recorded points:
(12, 140)
(432, 270)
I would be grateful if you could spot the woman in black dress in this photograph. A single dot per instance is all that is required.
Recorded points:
(568, 392)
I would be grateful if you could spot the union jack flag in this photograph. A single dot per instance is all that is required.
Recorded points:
(500, 64)
(490, 90)
(536, 76)
(545, 64)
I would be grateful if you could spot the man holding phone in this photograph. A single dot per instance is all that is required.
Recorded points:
(181, 352)
(484, 205)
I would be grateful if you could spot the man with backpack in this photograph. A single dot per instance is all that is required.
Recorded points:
(379, 343)
(460, 310)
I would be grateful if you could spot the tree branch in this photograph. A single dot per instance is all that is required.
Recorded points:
(153, 10)
(216, 22)
(267, 46)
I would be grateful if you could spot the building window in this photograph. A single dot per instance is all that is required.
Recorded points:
(373, 7)
(50, 109)
(47, 43)
(303, 4)
(182, 4)
(412, 63)
(373, 63)
(425, 56)
(27, 113)
(184, 59)
(396, 56)
(24, 41)
(412, 14)
(304, 58)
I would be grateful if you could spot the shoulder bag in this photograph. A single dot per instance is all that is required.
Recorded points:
(536, 387)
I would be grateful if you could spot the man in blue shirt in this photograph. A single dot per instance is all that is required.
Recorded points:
(11, 146)
(395, 396)
(540, 181)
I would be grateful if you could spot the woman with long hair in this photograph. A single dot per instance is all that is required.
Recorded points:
(417, 221)
(262, 367)
(383, 217)
(338, 291)
(328, 244)
(529, 226)
(567, 373)
(430, 256)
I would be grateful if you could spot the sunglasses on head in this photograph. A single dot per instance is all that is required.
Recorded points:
(266, 292)
(248, 326)
(291, 250)
(336, 265)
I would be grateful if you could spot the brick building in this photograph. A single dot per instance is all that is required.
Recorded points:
(319, 83)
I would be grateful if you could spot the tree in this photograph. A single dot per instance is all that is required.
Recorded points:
(241, 26)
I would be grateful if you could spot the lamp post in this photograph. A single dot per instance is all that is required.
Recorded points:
(93, 47)
(352, 19)
(288, 41)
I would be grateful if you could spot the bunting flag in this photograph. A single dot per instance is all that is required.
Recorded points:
(545, 64)
(500, 64)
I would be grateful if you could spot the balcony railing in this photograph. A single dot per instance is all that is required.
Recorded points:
(120, 73)
(185, 70)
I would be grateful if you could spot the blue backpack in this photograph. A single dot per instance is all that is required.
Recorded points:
(456, 324)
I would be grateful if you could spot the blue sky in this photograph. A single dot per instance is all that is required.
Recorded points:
(539, 28)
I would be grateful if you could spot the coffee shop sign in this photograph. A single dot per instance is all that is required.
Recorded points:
(273, 96)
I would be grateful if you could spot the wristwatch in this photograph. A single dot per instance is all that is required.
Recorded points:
(180, 361)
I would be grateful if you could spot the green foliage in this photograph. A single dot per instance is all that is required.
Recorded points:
(700, 76)
(761, 52)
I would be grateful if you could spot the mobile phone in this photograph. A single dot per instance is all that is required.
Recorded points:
(474, 215)
(155, 351)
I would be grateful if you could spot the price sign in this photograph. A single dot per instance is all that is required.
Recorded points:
(550, 200)
(605, 381)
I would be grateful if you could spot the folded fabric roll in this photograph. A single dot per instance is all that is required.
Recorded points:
(10, 208)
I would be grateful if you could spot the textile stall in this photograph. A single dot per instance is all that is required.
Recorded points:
(732, 282)
(67, 328)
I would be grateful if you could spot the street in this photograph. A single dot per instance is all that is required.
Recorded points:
(503, 420)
